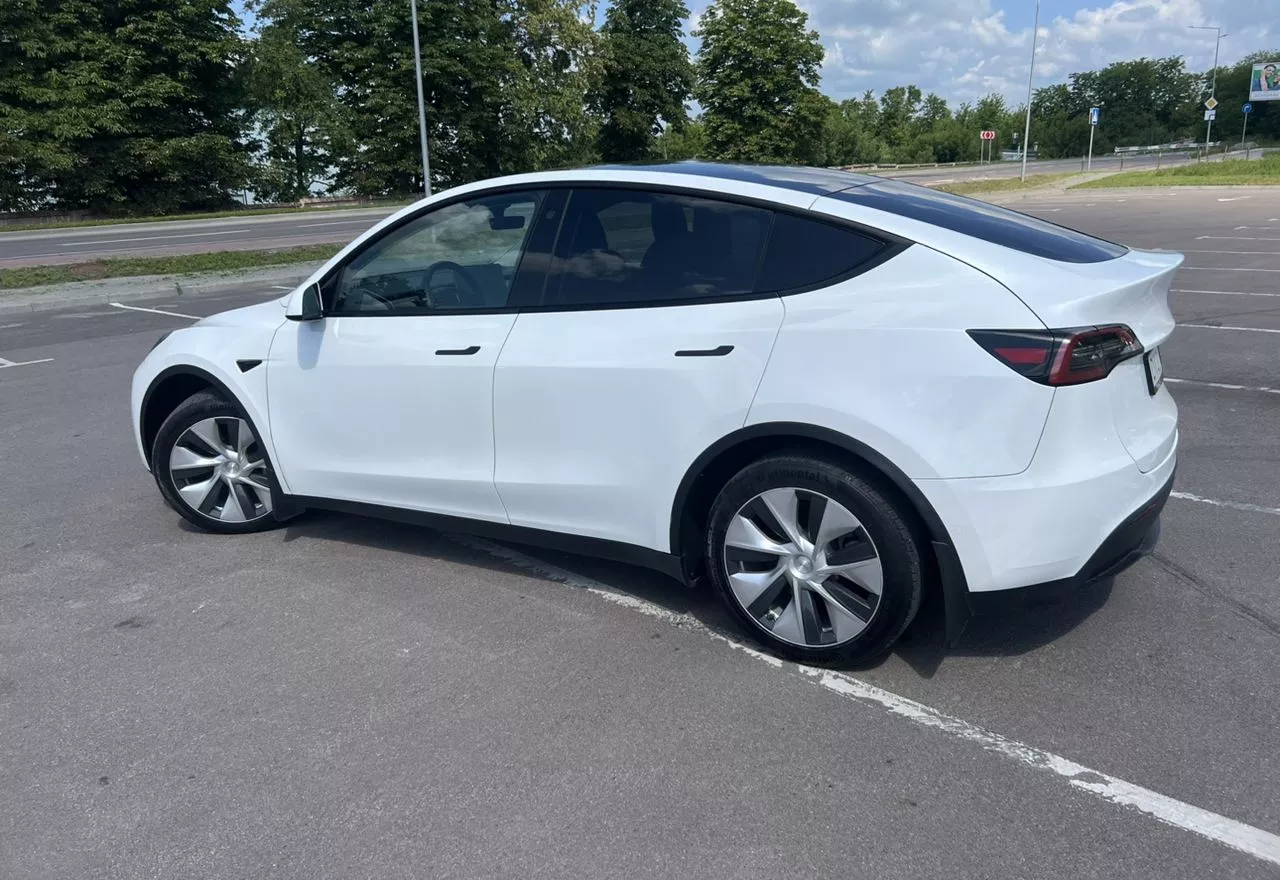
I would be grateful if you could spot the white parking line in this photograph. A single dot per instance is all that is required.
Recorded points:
(1223, 327)
(1226, 292)
(1234, 505)
(278, 287)
(1223, 269)
(97, 241)
(1262, 845)
(11, 326)
(1234, 253)
(1261, 389)
(6, 364)
(1233, 238)
(155, 311)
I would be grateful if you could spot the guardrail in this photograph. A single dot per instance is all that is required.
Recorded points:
(897, 166)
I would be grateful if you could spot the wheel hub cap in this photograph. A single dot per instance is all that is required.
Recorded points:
(220, 472)
(802, 567)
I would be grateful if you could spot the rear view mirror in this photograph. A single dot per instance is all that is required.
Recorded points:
(306, 306)
(502, 221)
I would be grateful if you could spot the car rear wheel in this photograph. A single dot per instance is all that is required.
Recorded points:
(211, 467)
(813, 560)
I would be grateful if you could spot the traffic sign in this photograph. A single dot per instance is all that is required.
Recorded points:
(988, 135)
(1094, 112)
(1210, 115)
(1211, 103)
(1247, 108)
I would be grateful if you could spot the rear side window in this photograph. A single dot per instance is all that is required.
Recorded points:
(809, 253)
(981, 220)
(623, 247)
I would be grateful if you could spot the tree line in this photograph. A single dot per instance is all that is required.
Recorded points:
(162, 106)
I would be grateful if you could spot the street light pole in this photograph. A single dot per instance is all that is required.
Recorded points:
(1026, 133)
(1213, 87)
(422, 106)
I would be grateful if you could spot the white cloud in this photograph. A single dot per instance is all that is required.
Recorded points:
(963, 49)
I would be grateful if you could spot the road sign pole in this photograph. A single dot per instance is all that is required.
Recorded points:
(1031, 76)
(1213, 93)
(1092, 129)
(1243, 130)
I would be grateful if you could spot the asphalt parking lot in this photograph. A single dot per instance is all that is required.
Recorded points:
(350, 698)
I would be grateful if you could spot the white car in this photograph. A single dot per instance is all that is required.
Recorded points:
(823, 392)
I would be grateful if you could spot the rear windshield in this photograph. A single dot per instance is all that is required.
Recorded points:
(982, 220)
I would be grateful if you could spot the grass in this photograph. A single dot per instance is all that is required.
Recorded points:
(210, 215)
(218, 261)
(1002, 184)
(1231, 172)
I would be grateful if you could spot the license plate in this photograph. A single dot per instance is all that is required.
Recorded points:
(1155, 370)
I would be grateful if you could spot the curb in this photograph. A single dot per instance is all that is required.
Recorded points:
(57, 296)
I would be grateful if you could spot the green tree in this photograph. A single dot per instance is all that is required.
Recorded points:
(850, 134)
(897, 108)
(470, 64)
(680, 144)
(123, 106)
(647, 77)
(757, 82)
(558, 48)
(1145, 101)
(301, 122)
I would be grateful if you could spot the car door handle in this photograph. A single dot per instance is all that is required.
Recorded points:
(472, 349)
(718, 351)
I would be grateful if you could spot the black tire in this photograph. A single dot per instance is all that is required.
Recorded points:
(887, 528)
(193, 410)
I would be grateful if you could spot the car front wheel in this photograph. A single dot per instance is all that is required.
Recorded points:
(815, 561)
(211, 467)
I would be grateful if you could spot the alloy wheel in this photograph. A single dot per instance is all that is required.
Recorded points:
(219, 470)
(803, 567)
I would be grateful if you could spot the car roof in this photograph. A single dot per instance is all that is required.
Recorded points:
(815, 181)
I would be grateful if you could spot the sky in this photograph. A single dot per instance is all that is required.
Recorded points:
(964, 49)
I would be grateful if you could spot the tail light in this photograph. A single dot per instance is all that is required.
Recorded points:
(1061, 357)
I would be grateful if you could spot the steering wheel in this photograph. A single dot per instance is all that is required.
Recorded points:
(474, 298)
(368, 297)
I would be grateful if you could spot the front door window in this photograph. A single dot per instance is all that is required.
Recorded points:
(461, 257)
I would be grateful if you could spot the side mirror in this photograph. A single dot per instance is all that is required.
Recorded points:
(305, 305)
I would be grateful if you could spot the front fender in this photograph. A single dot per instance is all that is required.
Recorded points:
(209, 354)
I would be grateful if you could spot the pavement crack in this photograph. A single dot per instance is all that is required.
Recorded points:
(1245, 611)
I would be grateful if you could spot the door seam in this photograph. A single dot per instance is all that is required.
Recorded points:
(493, 419)
(746, 417)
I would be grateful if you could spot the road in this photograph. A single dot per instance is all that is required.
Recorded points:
(345, 697)
(274, 231)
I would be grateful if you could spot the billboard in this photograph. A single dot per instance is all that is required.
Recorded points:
(1264, 84)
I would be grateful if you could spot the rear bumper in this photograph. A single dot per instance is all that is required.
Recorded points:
(1066, 519)
(1133, 539)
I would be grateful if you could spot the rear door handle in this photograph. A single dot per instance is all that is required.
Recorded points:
(718, 351)
(471, 349)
